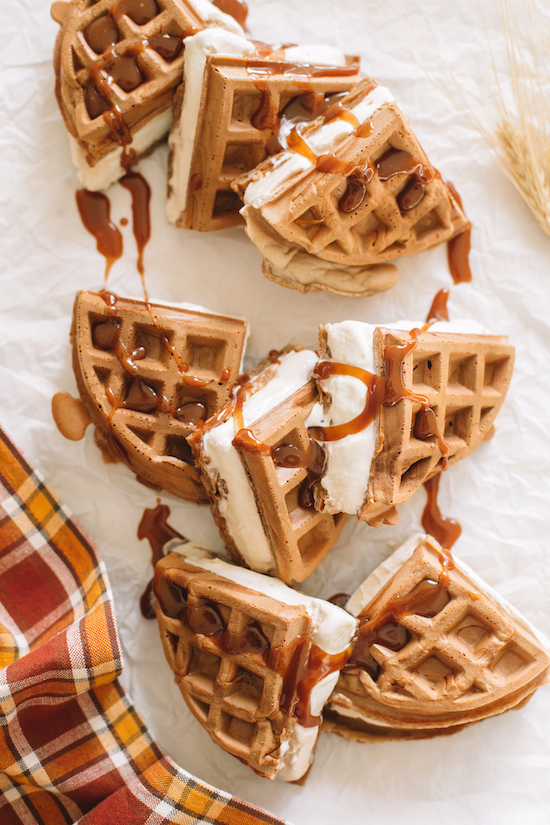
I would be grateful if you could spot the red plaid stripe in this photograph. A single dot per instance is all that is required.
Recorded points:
(72, 746)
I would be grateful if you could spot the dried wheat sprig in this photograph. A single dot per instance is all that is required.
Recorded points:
(516, 127)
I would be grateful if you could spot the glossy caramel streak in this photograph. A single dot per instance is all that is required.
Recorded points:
(375, 387)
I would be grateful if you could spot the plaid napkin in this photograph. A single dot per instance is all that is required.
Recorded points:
(72, 746)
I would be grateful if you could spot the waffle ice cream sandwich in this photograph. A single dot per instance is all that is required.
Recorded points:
(349, 192)
(228, 119)
(147, 373)
(258, 463)
(255, 660)
(399, 404)
(434, 652)
(117, 65)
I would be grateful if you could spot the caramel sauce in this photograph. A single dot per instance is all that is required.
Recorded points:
(387, 390)
(226, 374)
(250, 640)
(246, 440)
(445, 530)
(320, 664)
(312, 459)
(458, 249)
(155, 528)
(266, 115)
(375, 386)
(365, 129)
(95, 211)
(191, 412)
(411, 195)
(296, 143)
(338, 112)
(125, 72)
(171, 598)
(438, 310)
(141, 196)
(238, 9)
(263, 68)
(105, 333)
(427, 599)
(339, 599)
(398, 162)
(354, 195)
(195, 182)
(102, 34)
(140, 11)
(167, 46)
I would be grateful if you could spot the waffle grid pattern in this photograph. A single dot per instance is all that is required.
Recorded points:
(229, 144)
(176, 18)
(465, 660)
(300, 538)
(306, 212)
(209, 344)
(465, 379)
(235, 696)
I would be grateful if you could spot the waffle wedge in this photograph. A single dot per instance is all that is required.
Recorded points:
(400, 405)
(352, 191)
(229, 118)
(257, 467)
(147, 374)
(255, 661)
(117, 65)
(433, 652)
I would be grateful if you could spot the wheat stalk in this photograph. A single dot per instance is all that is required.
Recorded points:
(516, 125)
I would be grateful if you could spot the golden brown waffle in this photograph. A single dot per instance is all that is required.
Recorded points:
(236, 696)
(236, 124)
(107, 95)
(302, 217)
(475, 658)
(155, 372)
(464, 379)
(299, 537)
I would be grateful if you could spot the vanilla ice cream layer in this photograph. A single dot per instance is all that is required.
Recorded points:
(332, 630)
(238, 505)
(349, 459)
(197, 49)
(324, 140)
(109, 169)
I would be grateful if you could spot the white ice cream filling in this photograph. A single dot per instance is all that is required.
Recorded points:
(197, 49)
(109, 168)
(236, 502)
(332, 630)
(346, 477)
(324, 140)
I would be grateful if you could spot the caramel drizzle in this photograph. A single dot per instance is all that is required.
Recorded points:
(382, 390)
(301, 664)
(458, 249)
(427, 599)
(155, 528)
(445, 530)
(95, 212)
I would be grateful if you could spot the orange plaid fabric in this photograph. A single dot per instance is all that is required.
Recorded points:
(72, 746)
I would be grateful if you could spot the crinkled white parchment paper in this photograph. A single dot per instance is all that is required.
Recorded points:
(494, 772)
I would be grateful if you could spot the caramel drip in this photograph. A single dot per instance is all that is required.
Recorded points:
(167, 46)
(445, 530)
(238, 9)
(266, 116)
(155, 528)
(246, 440)
(141, 197)
(102, 34)
(375, 386)
(296, 143)
(438, 310)
(398, 162)
(263, 68)
(339, 112)
(458, 249)
(387, 390)
(95, 211)
(427, 599)
(140, 11)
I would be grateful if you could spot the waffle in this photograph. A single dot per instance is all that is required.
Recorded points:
(242, 101)
(463, 378)
(116, 98)
(302, 220)
(475, 658)
(244, 654)
(145, 405)
(296, 536)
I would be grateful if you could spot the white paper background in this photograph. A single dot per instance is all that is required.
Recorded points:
(494, 772)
